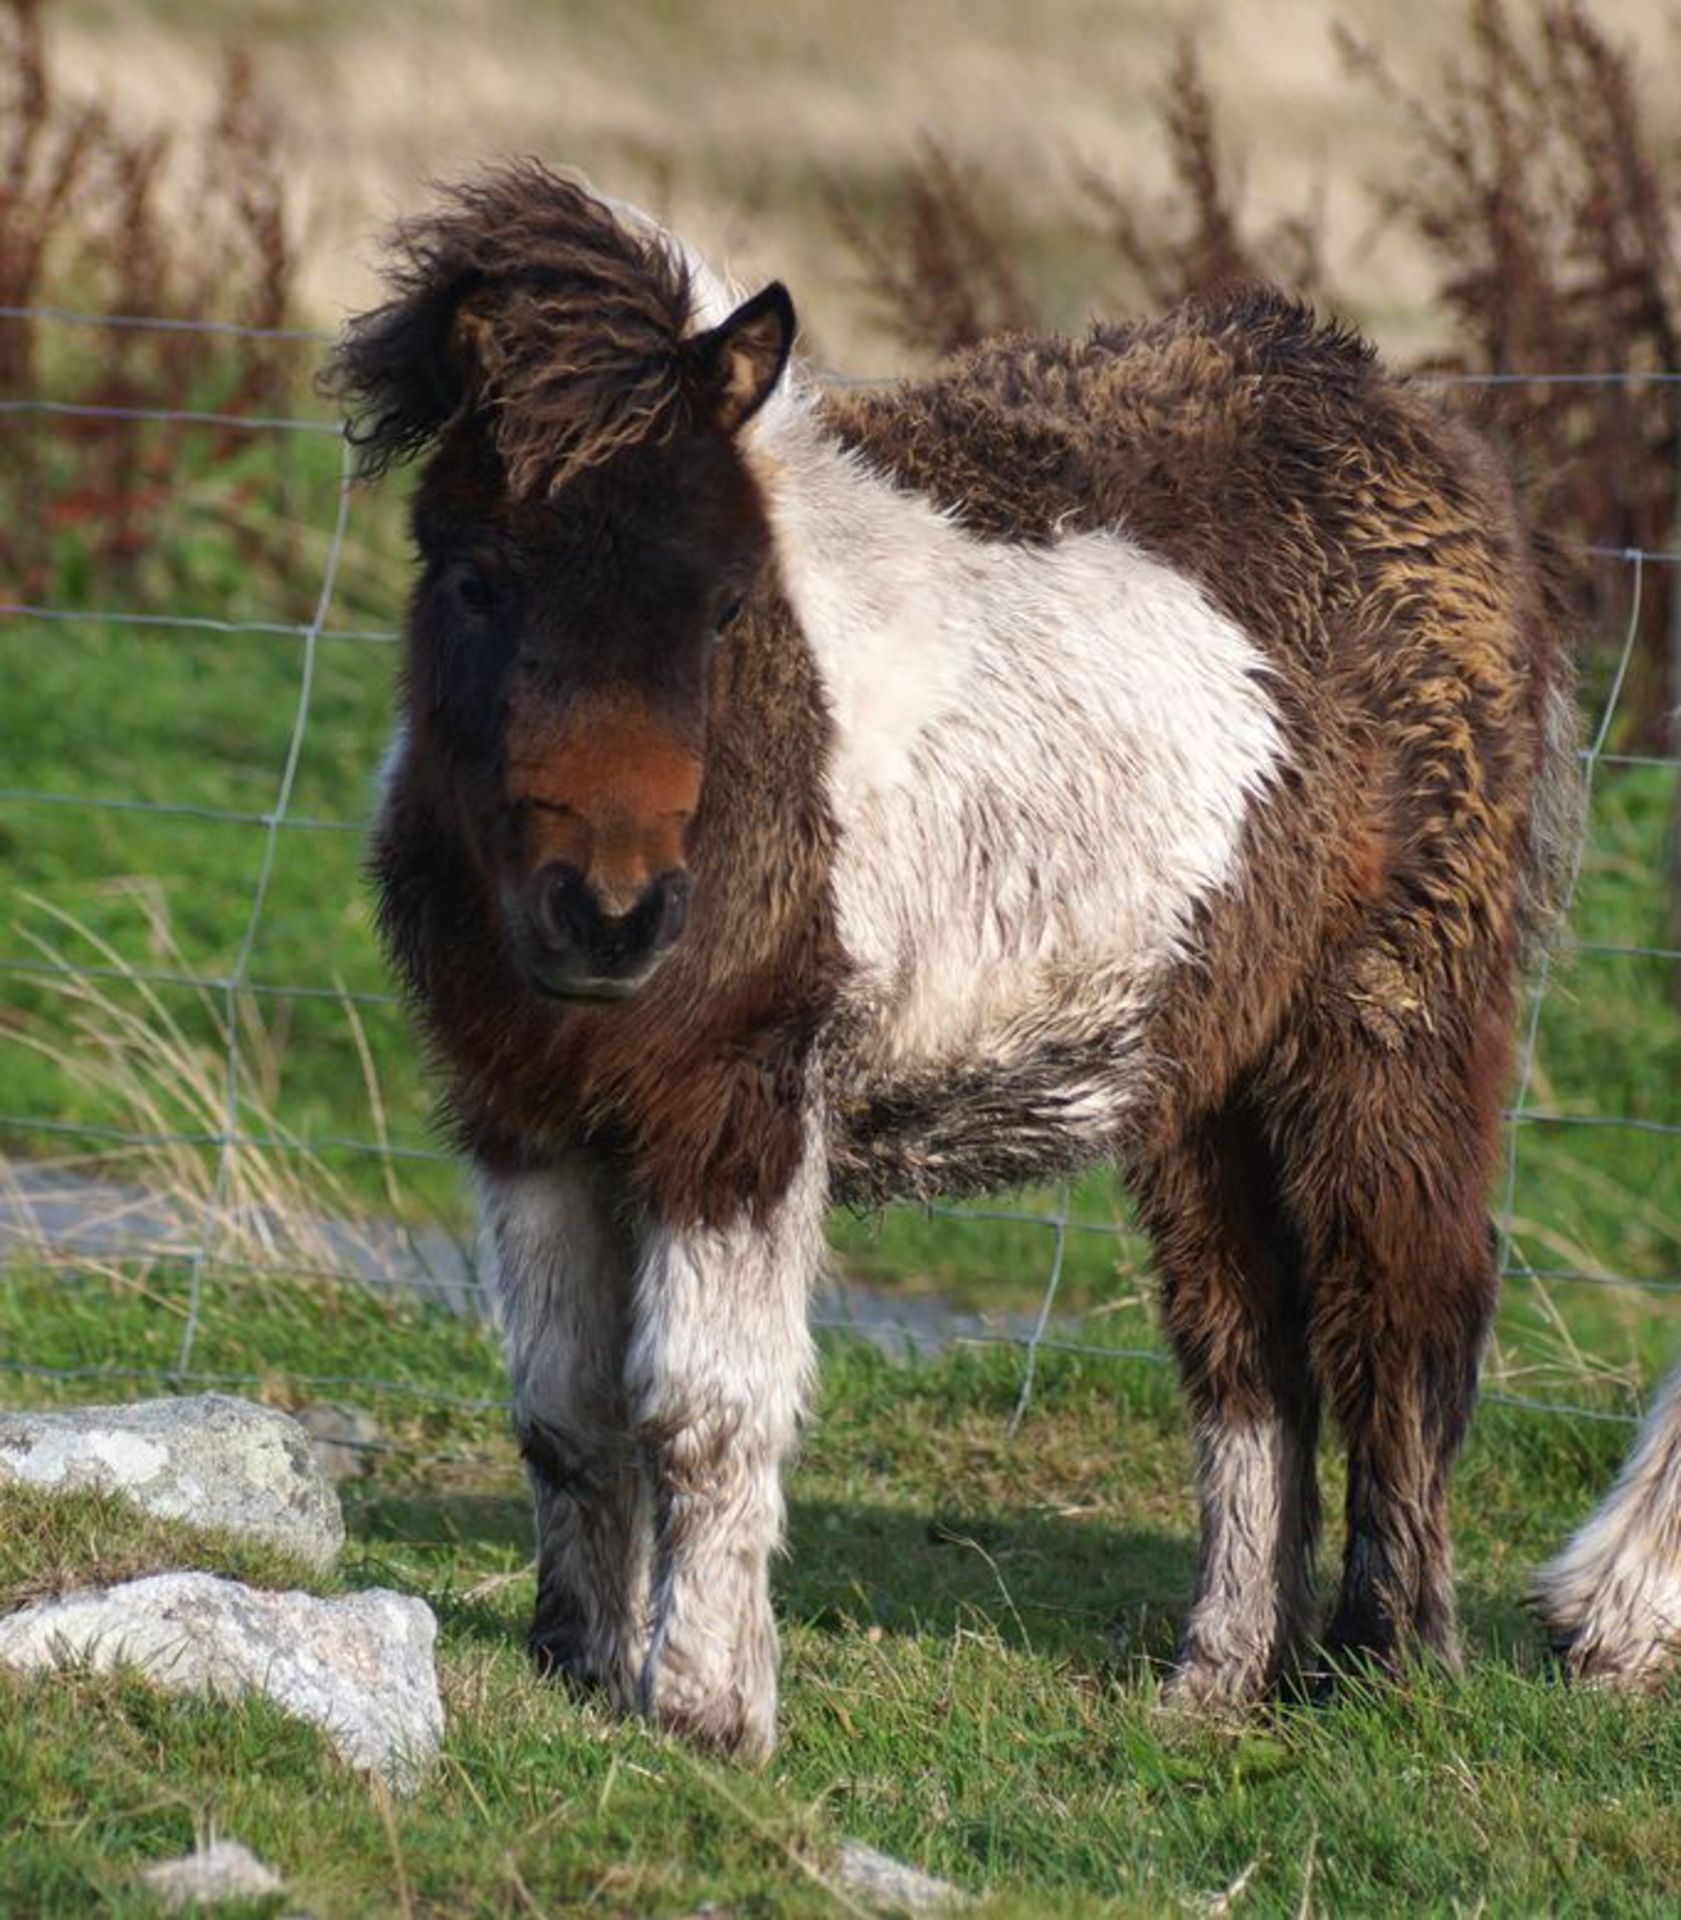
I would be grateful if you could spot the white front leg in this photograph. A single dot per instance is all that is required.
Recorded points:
(564, 1261)
(719, 1364)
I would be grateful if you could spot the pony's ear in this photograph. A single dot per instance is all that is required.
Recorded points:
(402, 370)
(739, 362)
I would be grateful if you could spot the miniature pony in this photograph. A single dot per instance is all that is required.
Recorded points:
(1141, 749)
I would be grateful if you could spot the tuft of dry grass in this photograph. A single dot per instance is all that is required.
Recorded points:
(197, 1093)
(54, 1542)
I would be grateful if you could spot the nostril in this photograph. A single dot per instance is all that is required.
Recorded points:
(576, 939)
(560, 905)
(672, 891)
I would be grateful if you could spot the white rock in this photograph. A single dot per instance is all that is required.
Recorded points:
(224, 1870)
(209, 1459)
(359, 1667)
(886, 1882)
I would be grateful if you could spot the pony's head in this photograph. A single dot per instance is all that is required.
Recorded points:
(587, 531)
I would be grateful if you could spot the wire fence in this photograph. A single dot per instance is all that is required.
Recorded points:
(79, 1186)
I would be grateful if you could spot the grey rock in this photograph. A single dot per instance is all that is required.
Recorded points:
(886, 1882)
(210, 1459)
(224, 1870)
(343, 1438)
(359, 1667)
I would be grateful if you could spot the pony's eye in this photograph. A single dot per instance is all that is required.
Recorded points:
(728, 614)
(471, 587)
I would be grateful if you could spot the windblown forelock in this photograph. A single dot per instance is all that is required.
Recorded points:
(527, 299)
(576, 373)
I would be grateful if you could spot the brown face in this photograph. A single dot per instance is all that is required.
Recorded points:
(587, 529)
(564, 659)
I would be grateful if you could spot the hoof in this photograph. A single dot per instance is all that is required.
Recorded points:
(1604, 1648)
(1211, 1692)
(1611, 1605)
(723, 1706)
(559, 1656)
(727, 1727)
(560, 1651)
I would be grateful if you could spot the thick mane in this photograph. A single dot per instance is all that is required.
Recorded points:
(525, 297)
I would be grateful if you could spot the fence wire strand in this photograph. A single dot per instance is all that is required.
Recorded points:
(205, 1247)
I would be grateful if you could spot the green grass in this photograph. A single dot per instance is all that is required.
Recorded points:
(973, 1624)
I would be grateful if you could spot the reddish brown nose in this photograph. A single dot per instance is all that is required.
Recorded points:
(609, 789)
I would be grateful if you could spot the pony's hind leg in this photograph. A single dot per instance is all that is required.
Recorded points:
(1612, 1598)
(1234, 1310)
(563, 1262)
(1388, 1151)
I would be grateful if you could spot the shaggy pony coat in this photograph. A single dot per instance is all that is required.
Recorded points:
(1147, 748)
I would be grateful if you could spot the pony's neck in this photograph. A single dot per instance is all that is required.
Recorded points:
(877, 580)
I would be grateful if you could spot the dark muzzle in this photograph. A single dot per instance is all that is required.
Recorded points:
(582, 946)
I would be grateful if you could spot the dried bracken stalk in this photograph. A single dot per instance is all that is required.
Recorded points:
(90, 218)
(48, 153)
(1193, 245)
(1537, 189)
(1532, 181)
(939, 266)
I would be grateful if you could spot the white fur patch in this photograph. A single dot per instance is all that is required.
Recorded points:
(1043, 758)
(718, 1371)
(1612, 1598)
(557, 1269)
(1254, 1584)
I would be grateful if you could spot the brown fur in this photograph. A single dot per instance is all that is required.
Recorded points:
(702, 1077)
(518, 299)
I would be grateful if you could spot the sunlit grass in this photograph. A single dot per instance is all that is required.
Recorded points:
(974, 1623)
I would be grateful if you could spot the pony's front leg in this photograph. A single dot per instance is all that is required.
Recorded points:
(564, 1261)
(719, 1365)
